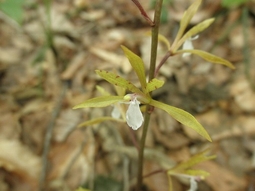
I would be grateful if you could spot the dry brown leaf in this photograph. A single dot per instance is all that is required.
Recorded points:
(243, 95)
(76, 63)
(222, 179)
(113, 59)
(17, 158)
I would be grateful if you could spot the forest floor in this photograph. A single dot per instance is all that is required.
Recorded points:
(45, 73)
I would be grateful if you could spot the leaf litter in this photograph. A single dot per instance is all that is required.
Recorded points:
(87, 36)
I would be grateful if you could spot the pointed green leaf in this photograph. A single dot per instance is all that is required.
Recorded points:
(153, 84)
(193, 31)
(208, 57)
(98, 120)
(201, 173)
(101, 101)
(187, 16)
(118, 81)
(183, 117)
(137, 65)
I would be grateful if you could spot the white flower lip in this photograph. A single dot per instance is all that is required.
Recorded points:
(187, 45)
(193, 184)
(134, 115)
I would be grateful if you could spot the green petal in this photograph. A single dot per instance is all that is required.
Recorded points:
(153, 84)
(164, 40)
(101, 101)
(137, 65)
(185, 167)
(208, 57)
(200, 173)
(193, 31)
(118, 81)
(183, 117)
(102, 91)
(98, 120)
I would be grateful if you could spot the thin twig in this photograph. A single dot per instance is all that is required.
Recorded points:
(168, 54)
(144, 14)
(48, 136)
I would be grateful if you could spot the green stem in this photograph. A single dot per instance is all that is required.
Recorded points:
(154, 46)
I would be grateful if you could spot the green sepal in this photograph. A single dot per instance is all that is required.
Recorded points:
(137, 65)
(183, 117)
(102, 91)
(118, 81)
(193, 31)
(187, 16)
(186, 166)
(98, 120)
(164, 40)
(153, 84)
(201, 173)
(101, 101)
(208, 57)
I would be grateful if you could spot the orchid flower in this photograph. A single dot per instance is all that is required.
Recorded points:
(134, 115)
(193, 184)
(187, 45)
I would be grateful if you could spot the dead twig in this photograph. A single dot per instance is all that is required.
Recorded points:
(48, 136)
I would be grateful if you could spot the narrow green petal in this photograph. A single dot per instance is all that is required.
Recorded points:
(193, 31)
(118, 81)
(164, 40)
(101, 101)
(102, 91)
(187, 16)
(208, 57)
(153, 84)
(185, 167)
(183, 117)
(137, 65)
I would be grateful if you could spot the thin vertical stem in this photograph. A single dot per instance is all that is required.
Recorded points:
(154, 38)
(154, 46)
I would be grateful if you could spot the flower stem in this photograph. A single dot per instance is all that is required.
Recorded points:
(154, 46)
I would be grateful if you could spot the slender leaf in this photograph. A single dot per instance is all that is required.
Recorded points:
(208, 57)
(101, 101)
(137, 65)
(186, 166)
(82, 189)
(98, 120)
(187, 16)
(118, 81)
(183, 117)
(13, 8)
(153, 84)
(200, 173)
(193, 31)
